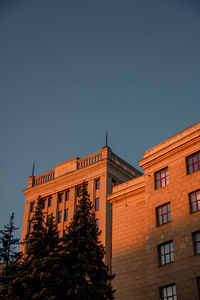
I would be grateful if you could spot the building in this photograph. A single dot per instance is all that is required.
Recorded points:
(156, 224)
(60, 189)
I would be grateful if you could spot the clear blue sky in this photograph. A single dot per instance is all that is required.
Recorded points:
(71, 69)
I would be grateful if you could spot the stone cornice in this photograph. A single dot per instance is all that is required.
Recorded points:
(174, 144)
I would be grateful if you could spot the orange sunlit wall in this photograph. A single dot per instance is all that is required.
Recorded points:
(156, 223)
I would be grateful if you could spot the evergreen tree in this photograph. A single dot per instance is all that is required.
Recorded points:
(8, 243)
(38, 275)
(90, 276)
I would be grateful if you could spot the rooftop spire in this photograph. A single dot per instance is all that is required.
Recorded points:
(106, 137)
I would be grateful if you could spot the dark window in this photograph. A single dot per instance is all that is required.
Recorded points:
(66, 214)
(43, 203)
(163, 214)
(193, 162)
(161, 178)
(97, 204)
(196, 240)
(195, 201)
(30, 226)
(86, 187)
(166, 253)
(49, 201)
(168, 292)
(59, 216)
(97, 184)
(32, 206)
(67, 195)
(60, 197)
(97, 223)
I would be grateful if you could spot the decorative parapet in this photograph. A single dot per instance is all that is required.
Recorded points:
(43, 178)
(89, 160)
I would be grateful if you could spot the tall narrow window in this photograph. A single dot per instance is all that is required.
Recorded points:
(49, 201)
(67, 195)
(195, 201)
(66, 215)
(196, 241)
(32, 206)
(43, 203)
(97, 204)
(59, 216)
(97, 223)
(161, 178)
(163, 214)
(166, 253)
(193, 162)
(60, 197)
(97, 184)
(168, 292)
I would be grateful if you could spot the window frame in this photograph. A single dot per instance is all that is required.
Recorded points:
(191, 156)
(49, 204)
(97, 184)
(59, 218)
(160, 255)
(96, 205)
(166, 178)
(168, 213)
(32, 206)
(197, 201)
(161, 289)
(67, 195)
(66, 215)
(196, 242)
(60, 199)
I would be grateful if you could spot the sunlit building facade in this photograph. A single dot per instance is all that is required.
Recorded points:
(156, 224)
(60, 191)
(150, 222)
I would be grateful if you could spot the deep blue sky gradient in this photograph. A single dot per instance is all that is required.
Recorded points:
(71, 69)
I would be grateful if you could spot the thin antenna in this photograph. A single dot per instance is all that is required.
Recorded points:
(33, 169)
(106, 137)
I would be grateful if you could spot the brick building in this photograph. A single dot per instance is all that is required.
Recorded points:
(60, 189)
(156, 224)
(154, 218)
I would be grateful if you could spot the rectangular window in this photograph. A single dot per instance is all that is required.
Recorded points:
(60, 197)
(43, 203)
(161, 178)
(196, 241)
(163, 214)
(59, 216)
(194, 201)
(168, 292)
(97, 223)
(193, 162)
(97, 204)
(166, 253)
(66, 214)
(49, 201)
(30, 226)
(66, 195)
(32, 206)
(86, 187)
(97, 184)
